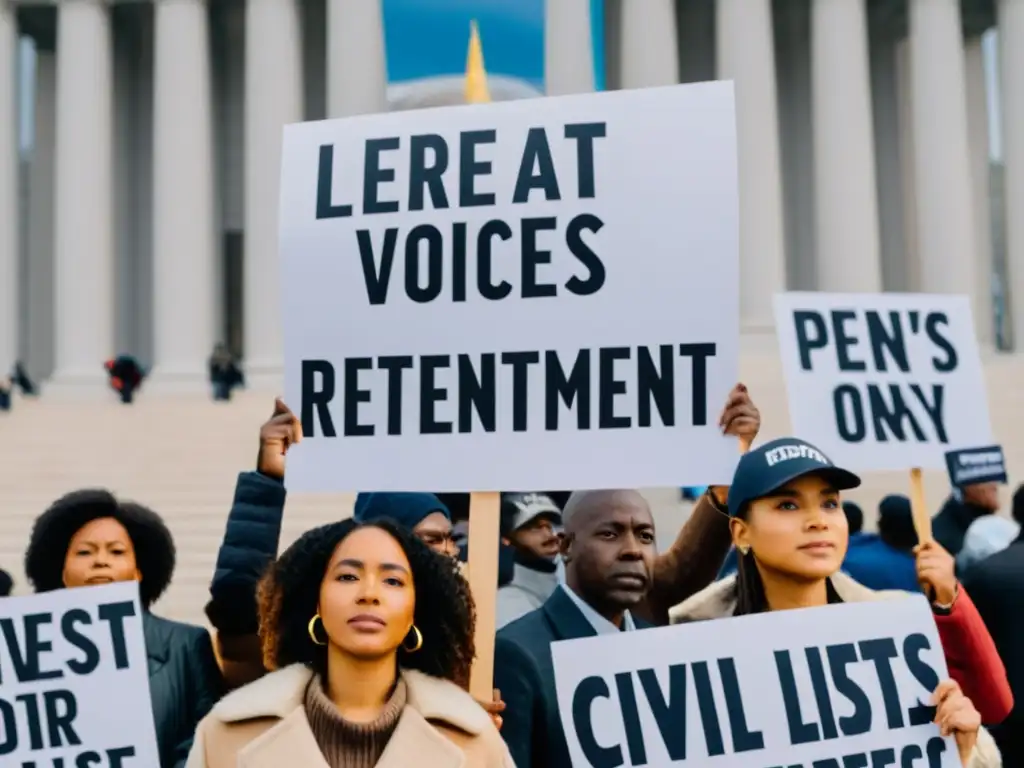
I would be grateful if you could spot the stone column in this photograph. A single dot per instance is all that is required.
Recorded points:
(746, 55)
(846, 195)
(568, 47)
(946, 242)
(1011, 51)
(183, 201)
(649, 52)
(273, 98)
(9, 207)
(83, 229)
(977, 136)
(41, 306)
(357, 76)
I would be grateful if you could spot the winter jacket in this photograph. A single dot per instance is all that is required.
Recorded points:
(719, 601)
(264, 725)
(184, 683)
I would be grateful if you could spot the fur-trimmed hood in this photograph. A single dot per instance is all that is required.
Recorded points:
(718, 601)
(264, 725)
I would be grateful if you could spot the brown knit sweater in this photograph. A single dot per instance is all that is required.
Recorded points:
(351, 745)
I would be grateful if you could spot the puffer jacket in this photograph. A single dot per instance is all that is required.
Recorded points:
(719, 601)
(184, 683)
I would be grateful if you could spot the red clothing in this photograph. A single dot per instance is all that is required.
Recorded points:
(973, 660)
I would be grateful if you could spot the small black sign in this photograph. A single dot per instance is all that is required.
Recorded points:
(969, 466)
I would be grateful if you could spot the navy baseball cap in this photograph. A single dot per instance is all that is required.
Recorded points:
(772, 465)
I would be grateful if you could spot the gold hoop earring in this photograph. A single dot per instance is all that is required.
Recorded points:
(419, 640)
(311, 628)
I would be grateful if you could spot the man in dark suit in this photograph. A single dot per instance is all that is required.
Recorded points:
(609, 554)
(996, 585)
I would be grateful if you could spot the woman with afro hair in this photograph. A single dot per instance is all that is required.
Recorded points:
(87, 538)
(369, 636)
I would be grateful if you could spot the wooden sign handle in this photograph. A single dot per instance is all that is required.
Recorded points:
(919, 508)
(484, 538)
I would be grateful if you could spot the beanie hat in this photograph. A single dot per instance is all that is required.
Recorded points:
(406, 509)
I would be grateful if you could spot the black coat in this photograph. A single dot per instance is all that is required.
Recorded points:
(184, 683)
(525, 675)
(950, 526)
(996, 585)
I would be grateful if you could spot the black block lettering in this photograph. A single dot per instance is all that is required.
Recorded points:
(478, 393)
(631, 719)
(115, 614)
(656, 382)
(314, 398)
(609, 387)
(708, 710)
(582, 701)
(743, 739)
(25, 658)
(668, 714)
(325, 209)
(574, 388)
(881, 652)
(845, 342)
(394, 365)
(933, 327)
(424, 177)
(811, 334)
(470, 168)
(459, 261)
(849, 410)
(888, 341)
(891, 418)
(536, 154)
(933, 407)
(819, 685)
(88, 648)
(61, 711)
(431, 394)
(926, 677)
(377, 281)
(533, 257)
(484, 260)
(799, 731)
(585, 222)
(584, 134)
(354, 395)
(429, 234)
(520, 362)
(839, 658)
(699, 378)
(374, 176)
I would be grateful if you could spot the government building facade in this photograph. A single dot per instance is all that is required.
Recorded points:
(143, 219)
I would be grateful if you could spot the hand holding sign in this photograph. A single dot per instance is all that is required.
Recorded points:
(936, 573)
(956, 715)
(740, 417)
(277, 435)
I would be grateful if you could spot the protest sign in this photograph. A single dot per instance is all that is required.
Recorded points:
(74, 681)
(976, 465)
(883, 381)
(833, 687)
(513, 295)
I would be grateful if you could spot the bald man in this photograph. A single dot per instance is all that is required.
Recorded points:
(614, 582)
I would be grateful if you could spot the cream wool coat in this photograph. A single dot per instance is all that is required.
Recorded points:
(264, 725)
(718, 601)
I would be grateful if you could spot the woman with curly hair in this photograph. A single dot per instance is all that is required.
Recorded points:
(88, 538)
(370, 636)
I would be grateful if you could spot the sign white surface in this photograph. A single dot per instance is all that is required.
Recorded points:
(883, 381)
(74, 681)
(773, 689)
(528, 294)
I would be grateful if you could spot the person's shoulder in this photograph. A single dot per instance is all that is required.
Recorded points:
(528, 629)
(994, 569)
(178, 631)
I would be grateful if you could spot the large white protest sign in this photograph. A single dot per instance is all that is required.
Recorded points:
(883, 381)
(844, 685)
(531, 294)
(74, 683)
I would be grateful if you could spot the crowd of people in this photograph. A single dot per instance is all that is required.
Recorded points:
(354, 646)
